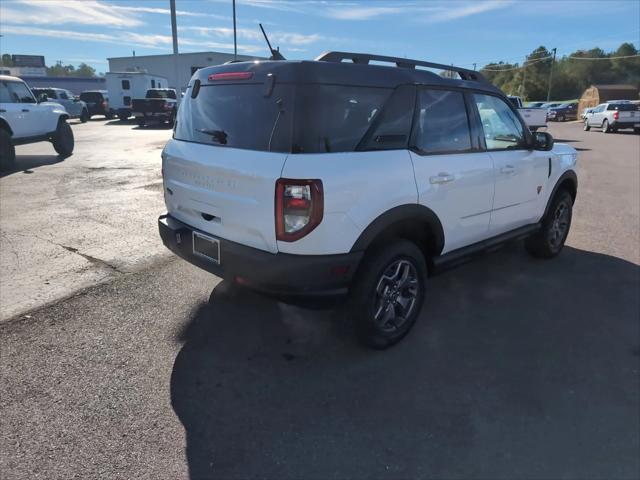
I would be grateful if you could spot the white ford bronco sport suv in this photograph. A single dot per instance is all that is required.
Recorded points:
(334, 177)
(25, 119)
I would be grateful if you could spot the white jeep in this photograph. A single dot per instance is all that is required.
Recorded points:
(337, 178)
(26, 119)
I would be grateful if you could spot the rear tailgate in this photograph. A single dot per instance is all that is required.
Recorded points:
(628, 116)
(534, 117)
(147, 105)
(226, 192)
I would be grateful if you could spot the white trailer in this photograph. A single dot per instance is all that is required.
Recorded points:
(125, 86)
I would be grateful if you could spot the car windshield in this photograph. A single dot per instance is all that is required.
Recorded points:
(622, 107)
(47, 91)
(305, 118)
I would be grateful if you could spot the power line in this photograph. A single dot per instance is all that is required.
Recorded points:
(527, 64)
(602, 58)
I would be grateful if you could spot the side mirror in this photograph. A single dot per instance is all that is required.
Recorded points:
(42, 98)
(542, 141)
(76, 98)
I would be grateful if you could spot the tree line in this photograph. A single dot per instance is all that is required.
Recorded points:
(570, 76)
(58, 70)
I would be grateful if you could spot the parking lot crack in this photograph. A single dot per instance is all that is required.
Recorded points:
(93, 260)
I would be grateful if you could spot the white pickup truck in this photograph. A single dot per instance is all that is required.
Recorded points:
(535, 118)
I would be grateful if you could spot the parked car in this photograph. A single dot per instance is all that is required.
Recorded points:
(586, 113)
(75, 107)
(611, 117)
(549, 105)
(97, 103)
(535, 104)
(565, 111)
(159, 105)
(323, 179)
(123, 87)
(534, 117)
(25, 120)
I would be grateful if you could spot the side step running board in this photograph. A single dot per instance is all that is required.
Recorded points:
(462, 255)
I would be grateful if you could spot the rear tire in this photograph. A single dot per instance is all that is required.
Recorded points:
(549, 240)
(62, 140)
(636, 130)
(108, 115)
(605, 126)
(561, 118)
(123, 117)
(388, 294)
(142, 122)
(84, 116)
(7, 151)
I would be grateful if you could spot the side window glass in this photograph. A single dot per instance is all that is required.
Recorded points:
(125, 85)
(5, 96)
(20, 93)
(442, 124)
(502, 128)
(392, 128)
(63, 95)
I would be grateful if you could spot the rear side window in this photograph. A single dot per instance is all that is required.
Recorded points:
(334, 118)
(91, 97)
(442, 123)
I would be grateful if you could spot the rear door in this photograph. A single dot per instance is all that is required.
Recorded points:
(597, 116)
(454, 178)
(229, 148)
(520, 173)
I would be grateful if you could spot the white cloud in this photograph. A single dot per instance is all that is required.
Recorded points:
(83, 12)
(166, 11)
(286, 38)
(456, 12)
(363, 13)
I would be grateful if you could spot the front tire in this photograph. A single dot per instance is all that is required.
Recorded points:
(123, 117)
(605, 126)
(561, 118)
(549, 240)
(62, 140)
(84, 116)
(388, 294)
(587, 127)
(7, 151)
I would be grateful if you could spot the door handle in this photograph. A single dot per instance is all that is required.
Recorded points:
(441, 178)
(25, 109)
(507, 169)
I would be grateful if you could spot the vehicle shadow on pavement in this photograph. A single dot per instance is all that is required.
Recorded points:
(25, 163)
(516, 365)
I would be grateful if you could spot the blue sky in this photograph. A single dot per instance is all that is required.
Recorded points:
(447, 31)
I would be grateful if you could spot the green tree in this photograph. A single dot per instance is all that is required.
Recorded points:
(6, 60)
(85, 70)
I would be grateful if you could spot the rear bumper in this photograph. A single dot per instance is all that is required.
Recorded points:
(298, 279)
(626, 124)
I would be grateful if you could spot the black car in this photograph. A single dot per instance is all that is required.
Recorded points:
(97, 103)
(566, 111)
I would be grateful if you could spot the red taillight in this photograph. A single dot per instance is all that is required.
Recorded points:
(616, 115)
(230, 76)
(104, 104)
(299, 208)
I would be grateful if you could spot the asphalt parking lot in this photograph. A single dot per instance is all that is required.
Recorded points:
(518, 368)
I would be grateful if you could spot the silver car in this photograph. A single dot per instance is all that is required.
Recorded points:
(611, 117)
(75, 107)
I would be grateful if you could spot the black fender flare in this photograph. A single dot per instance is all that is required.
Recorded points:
(5, 126)
(411, 212)
(568, 175)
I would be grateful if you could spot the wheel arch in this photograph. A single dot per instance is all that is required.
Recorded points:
(5, 126)
(567, 181)
(413, 222)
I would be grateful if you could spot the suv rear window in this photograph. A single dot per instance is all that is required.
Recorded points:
(161, 94)
(622, 107)
(304, 118)
(91, 96)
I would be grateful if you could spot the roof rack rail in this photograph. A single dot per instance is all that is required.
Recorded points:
(365, 58)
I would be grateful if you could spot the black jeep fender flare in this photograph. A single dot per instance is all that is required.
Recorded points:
(411, 214)
(569, 181)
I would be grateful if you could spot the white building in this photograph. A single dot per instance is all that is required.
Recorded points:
(164, 66)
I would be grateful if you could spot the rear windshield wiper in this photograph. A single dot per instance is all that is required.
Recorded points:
(219, 136)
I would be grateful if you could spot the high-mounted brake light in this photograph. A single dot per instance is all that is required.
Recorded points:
(299, 208)
(230, 76)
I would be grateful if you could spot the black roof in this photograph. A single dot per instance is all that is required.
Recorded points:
(328, 69)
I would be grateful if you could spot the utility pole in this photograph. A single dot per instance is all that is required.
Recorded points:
(553, 60)
(474, 66)
(235, 42)
(174, 34)
(524, 74)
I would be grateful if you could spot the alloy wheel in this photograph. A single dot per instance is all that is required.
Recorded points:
(396, 295)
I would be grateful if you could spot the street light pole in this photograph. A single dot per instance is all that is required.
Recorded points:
(174, 34)
(235, 42)
(553, 60)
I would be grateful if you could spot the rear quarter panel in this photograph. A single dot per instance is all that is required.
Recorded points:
(358, 187)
